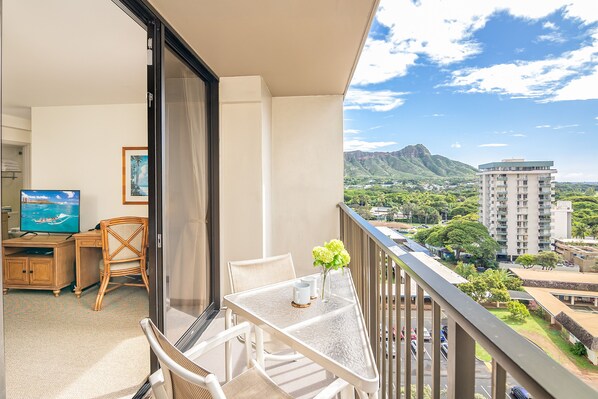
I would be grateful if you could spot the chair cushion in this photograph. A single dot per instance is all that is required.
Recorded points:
(120, 266)
(253, 384)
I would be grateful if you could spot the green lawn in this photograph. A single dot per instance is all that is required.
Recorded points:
(481, 353)
(540, 326)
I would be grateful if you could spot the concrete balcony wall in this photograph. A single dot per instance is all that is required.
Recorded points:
(307, 174)
(281, 173)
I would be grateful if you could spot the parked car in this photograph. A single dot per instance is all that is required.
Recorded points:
(445, 331)
(394, 351)
(394, 334)
(444, 349)
(518, 392)
(427, 335)
(414, 347)
(413, 334)
(442, 336)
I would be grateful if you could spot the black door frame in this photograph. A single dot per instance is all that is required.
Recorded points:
(160, 34)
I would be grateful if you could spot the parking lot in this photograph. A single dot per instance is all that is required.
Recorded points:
(483, 382)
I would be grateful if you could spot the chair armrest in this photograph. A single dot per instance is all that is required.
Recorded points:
(332, 390)
(219, 339)
(156, 380)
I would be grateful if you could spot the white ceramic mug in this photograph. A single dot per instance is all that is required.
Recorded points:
(313, 286)
(301, 293)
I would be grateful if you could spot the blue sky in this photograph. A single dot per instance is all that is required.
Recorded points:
(481, 81)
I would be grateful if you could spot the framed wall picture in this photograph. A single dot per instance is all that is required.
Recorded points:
(135, 175)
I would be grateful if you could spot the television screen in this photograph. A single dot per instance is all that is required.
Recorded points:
(50, 211)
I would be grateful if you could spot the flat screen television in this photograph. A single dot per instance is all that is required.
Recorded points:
(50, 211)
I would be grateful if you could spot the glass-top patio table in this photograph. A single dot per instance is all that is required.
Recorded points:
(331, 334)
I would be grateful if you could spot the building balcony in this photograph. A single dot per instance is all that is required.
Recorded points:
(433, 302)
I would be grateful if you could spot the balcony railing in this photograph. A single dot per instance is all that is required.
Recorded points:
(376, 263)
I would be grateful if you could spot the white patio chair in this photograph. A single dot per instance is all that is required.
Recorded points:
(248, 274)
(180, 378)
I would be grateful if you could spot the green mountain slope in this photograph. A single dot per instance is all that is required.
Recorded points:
(412, 162)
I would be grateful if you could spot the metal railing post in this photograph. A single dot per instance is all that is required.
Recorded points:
(499, 381)
(436, 350)
(461, 362)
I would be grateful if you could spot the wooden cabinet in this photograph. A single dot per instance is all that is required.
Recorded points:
(51, 268)
(15, 271)
(31, 270)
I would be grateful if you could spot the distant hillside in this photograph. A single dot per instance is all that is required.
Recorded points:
(412, 162)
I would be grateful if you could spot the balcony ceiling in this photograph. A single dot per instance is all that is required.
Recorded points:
(300, 47)
(72, 52)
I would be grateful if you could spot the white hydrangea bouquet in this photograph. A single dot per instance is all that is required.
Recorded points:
(331, 256)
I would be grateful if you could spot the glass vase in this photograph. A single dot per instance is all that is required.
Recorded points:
(325, 289)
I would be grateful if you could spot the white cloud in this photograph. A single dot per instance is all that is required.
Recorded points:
(354, 145)
(542, 126)
(571, 76)
(554, 37)
(456, 145)
(493, 145)
(582, 88)
(380, 62)
(564, 126)
(381, 100)
(519, 135)
(443, 31)
(351, 131)
(549, 25)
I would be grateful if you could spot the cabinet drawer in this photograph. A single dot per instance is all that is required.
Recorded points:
(90, 243)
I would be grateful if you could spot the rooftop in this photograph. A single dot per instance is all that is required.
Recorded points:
(556, 276)
(517, 163)
(588, 321)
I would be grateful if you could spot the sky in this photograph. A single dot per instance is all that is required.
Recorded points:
(481, 81)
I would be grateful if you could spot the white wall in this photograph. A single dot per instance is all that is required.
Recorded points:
(281, 173)
(307, 175)
(80, 148)
(244, 171)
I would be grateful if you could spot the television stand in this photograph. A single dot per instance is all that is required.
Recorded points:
(28, 232)
(38, 263)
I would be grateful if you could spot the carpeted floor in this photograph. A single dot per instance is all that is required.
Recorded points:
(61, 348)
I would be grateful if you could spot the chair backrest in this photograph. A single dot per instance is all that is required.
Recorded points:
(124, 239)
(182, 377)
(248, 274)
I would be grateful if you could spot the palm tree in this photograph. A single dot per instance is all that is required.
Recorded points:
(579, 230)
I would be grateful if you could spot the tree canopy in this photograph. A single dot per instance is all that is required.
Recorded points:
(462, 235)
(547, 259)
(491, 286)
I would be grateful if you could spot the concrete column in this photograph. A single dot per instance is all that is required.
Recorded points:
(596, 301)
(245, 173)
(572, 300)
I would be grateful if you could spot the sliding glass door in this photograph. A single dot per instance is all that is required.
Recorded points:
(185, 196)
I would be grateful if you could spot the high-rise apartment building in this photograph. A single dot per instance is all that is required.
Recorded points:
(515, 204)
